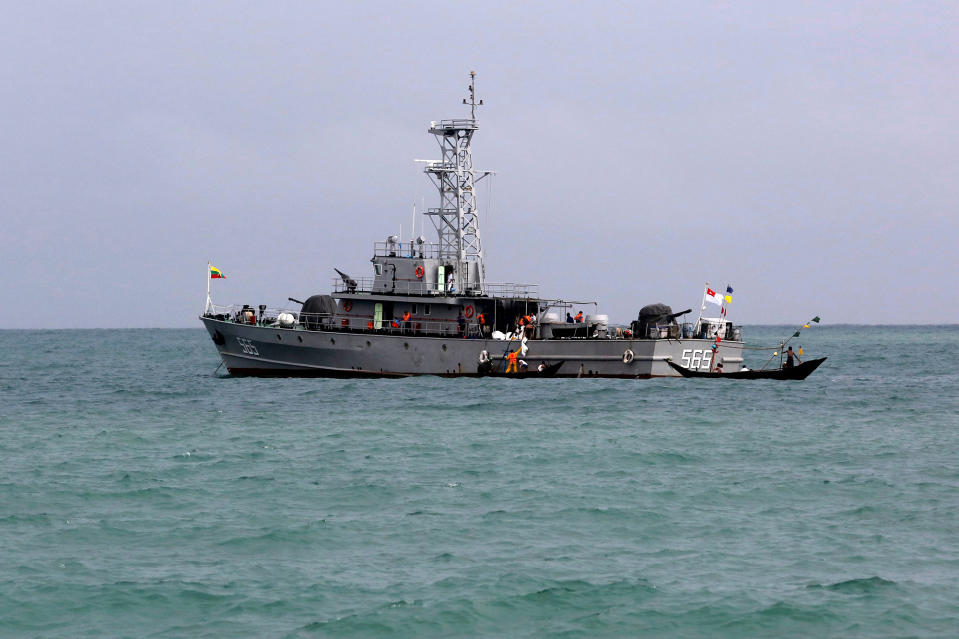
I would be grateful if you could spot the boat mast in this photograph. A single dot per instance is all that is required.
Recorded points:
(456, 220)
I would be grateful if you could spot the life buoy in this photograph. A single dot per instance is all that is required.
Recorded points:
(468, 312)
(347, 306)
(627, 356)
(419, 272)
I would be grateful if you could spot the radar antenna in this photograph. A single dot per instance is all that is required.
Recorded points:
(472, 99)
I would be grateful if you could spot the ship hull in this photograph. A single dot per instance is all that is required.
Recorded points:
(263, 351)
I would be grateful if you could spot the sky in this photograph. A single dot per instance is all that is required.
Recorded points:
(805, 153)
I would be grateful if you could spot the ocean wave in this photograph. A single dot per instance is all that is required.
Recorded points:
(863, 585)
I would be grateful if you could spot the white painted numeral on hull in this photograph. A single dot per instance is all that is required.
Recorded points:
(698, 358)
(247, 346)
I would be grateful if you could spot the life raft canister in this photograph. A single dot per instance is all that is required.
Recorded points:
(468, 312)
(627, 356)
(347, 306)
(419, 272)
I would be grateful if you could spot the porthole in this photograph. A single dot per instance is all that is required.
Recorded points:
(406, 345)
(332, 341)
(444, 347)
(368, 343)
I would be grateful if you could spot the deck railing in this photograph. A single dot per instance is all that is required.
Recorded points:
(401, 287)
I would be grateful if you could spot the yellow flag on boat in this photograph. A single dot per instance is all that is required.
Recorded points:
(805, 325)
(216, 274)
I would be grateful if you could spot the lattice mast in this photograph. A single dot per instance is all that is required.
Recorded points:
(456, 221)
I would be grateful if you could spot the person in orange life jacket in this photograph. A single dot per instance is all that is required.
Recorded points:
(484, 327)
(461, 323)
(530, 329)
(512, 357)
(579, 317)
(406, 321)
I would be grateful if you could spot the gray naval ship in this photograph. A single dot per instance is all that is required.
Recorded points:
(428, 310)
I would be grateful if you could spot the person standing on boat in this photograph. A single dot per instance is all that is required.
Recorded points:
(512, 357)
(714, 365)
(789, 358)
(569, 318)
(406, 322)
(461, 323)
(579, 317)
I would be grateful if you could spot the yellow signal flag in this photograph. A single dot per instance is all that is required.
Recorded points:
(729, 299)
(805, 325)
(800, 350)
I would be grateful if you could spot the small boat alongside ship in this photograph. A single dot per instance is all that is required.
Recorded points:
(427, 309)
(799, 371)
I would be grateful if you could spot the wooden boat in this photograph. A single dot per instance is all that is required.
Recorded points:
(799, 371)
(549, 371)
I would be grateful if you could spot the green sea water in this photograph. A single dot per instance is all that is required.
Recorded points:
(144, 495)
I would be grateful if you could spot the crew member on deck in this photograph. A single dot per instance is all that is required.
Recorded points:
(579, 317)
(406, 321)
(789, 358)
(569, 318)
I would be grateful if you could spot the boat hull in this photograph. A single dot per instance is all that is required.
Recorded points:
(799, 371)
(264, 351)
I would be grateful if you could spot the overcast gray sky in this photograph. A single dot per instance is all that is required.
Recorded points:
(804, 153)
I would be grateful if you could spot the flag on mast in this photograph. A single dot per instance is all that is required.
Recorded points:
(713, 296)
(216, 274)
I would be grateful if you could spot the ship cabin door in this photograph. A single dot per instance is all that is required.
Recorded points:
(378, 315)
(440, 279)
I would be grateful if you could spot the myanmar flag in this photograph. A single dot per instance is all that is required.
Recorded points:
(215, 273)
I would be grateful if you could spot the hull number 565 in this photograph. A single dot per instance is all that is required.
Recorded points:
(697, 358)
(247, 346)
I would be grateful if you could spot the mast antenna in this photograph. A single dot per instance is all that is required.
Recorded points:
(472, 99)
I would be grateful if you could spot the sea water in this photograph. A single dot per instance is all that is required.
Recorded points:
(143, 493)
